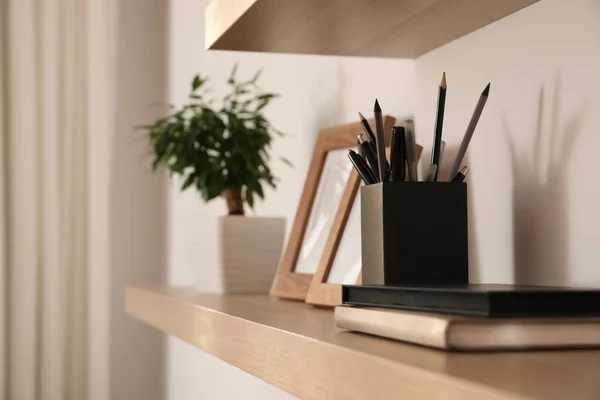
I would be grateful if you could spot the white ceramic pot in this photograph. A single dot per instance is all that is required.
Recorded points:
(250, 248)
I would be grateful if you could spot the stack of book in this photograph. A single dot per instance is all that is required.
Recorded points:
(475, 317)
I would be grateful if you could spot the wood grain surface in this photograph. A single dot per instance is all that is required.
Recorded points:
(365, 28)
(297, 348)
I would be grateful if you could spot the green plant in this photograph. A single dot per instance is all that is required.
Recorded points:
(220, 152)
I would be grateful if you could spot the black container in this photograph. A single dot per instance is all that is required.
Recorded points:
(414, 233)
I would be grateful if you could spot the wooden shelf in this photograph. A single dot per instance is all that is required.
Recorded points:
(365, 28)
(298, 349)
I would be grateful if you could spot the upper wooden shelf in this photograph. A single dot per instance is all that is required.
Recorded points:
(364, 28)
(298, 349)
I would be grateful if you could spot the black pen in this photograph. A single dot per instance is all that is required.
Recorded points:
(362, 168)
(411, 150)
(461, 175)
(366, 150)
(380, 142)
(397, 155)
(439, 123)
(363, 162)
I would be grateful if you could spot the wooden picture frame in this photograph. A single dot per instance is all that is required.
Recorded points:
(288, 284)
(322, 293)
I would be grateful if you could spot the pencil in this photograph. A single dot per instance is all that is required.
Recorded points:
(439, 123)
(366, 168)
(380, 141)
(368, 154)
(469, 133)
(360, 149)
(362, 168)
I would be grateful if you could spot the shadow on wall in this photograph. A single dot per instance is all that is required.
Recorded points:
(540, 205)
(446, 165)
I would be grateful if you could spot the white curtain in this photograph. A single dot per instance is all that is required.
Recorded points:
(57, 73)
(2, 207)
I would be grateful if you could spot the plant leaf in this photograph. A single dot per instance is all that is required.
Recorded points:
(215, 146)
(188, 182)
(196, 82)
(231, 79)
(256, 76)
(249, 198)
(259, 191)
(267, 96)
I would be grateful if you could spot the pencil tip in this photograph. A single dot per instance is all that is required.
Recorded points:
(376, 108)
(443, 83)
(486, 91)
(361, 116)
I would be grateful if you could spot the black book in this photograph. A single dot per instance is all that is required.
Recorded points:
(484, 300)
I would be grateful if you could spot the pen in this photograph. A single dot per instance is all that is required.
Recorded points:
(397, 155)
(361, 167)
(469, 133)
(368, 169)
(460, 176)
(439, 122)
(369, 132)
(411, 150)
(380, 142)
(366, 150)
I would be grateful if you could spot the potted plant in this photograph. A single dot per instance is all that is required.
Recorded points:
(224, 152)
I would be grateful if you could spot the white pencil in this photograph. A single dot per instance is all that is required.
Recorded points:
(431, 173)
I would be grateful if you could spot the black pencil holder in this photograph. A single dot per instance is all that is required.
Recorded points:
(414, 233)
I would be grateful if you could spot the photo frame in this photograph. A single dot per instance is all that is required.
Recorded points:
(346, 227)
(292, 284)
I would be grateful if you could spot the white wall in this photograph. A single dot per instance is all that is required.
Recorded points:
(137, 199)
(543, 63)
(317, 92)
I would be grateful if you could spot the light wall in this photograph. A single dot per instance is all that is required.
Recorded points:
(543, 63)
(317, 92)
(137, 200)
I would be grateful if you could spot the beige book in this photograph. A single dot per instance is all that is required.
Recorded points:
(470, 333)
